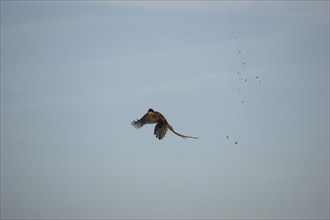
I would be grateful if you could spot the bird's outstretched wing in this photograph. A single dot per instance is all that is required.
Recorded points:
(160, 130)
(140, 122)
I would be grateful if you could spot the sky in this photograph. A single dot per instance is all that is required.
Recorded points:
(249, 78)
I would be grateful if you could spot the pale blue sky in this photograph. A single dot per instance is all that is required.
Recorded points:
(75, 74)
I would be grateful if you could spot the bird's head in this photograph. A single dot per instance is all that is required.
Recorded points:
(150, 110)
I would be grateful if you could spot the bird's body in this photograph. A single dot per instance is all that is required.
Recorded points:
(154, 117)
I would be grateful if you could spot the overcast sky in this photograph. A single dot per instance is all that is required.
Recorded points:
(249, 78)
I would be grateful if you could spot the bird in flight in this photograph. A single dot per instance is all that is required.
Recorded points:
(153, 117)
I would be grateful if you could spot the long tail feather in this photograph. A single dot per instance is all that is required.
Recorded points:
(181, 135)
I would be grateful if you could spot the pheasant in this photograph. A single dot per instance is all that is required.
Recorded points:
(154, 117)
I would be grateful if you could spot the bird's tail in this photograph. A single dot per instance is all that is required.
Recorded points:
(181, 135)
